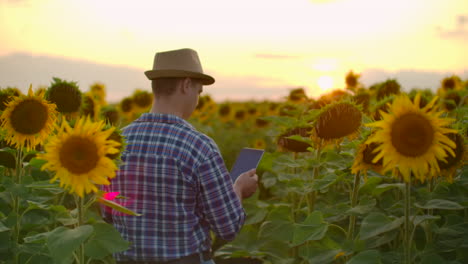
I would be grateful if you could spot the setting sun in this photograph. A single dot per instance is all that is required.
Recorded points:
(325, 82)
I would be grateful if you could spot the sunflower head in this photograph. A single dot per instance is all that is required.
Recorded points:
(362, 99)
(450, 83)
(294, 145)
(78, 156)
(388, 88)
(28, 120)
(297, 95)
(239, 115)
(352, 80)
(98, 92)
(13, 91)
(90, 107)
(381, 107)
(451, 99)
(338, 120)
(364, 160)
(66, 95)
(126, 105)
(142, 99)
(259, 144)
(452, 162)
(224, 110)
(119, 138)
(111, 115)
(252, 110)
(288, 109)
(5, 97)
(411, 139)
(260, 123)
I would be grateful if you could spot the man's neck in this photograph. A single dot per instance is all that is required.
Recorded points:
(166, 107)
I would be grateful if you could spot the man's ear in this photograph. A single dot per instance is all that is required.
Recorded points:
(185, 85)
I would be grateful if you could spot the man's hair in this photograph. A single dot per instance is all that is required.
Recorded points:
(164, 86)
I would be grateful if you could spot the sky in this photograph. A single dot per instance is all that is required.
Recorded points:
(256, 49)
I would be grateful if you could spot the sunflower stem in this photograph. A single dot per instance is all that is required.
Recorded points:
(430, 211)
(312, 195)
(81, 256)
(354, 198)
(407, 249)
(16, 201)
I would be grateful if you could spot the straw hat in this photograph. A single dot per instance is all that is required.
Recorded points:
(178, 63)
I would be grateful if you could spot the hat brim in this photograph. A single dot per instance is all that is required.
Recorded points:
(154, 74)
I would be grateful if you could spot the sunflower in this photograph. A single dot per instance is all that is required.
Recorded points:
(337, 120)
(259, 144)
(293, 145)
(388, 88)
(364, 159)
(119, 138)
(91, 107)
(297, 95)
(142, 99)
(110, 115)
(78, 156)
(98, 91)
(352, 80)
(66, 95)
(28, 120)
(453, 162)
(411, 139)
(261, 123)
(449, 84)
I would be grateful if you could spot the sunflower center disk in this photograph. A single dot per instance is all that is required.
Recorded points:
(412, 135)
(79, 155)
(29, 117)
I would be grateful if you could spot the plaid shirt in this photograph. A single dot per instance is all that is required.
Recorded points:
(176, 178)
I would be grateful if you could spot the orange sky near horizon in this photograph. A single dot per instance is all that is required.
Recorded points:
(309, 43)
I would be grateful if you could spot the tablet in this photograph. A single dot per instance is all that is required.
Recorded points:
(247, 159)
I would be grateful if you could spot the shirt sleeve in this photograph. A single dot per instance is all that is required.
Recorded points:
(221, 206)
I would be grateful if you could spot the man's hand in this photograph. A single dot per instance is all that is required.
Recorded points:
(246, 184)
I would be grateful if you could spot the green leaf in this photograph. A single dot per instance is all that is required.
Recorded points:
(421, 218)
(62, 241)
(37, 163)
(46, 186)
(366, 257)
(325, 182)
(313, 228)
(387, 186)
(369, 185)
(278, 224)
(377, 223)
(117, 207)
(105, 241)
(318, 254)
(302, 139)
(288, 162)
(364, 207)
(3, 228)
(440, 204)
(37, 238)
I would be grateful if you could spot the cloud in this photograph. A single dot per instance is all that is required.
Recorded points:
(21, 70)
(460, 31)
(409, 79)
(275, 56)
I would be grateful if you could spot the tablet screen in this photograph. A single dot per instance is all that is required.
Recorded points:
(247, 159)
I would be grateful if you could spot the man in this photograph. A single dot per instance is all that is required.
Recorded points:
(174, 175)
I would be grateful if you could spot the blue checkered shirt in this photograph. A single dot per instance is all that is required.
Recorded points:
(176, 178)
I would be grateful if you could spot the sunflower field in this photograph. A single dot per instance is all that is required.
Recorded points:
(360, 175)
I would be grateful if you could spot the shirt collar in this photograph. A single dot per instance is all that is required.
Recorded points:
(163, 118)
